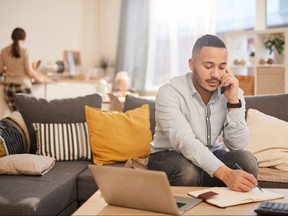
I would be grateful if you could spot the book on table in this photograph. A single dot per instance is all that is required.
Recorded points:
(224, 197)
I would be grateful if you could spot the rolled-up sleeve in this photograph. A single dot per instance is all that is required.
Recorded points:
(236, 134)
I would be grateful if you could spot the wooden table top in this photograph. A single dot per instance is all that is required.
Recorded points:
(96, 205)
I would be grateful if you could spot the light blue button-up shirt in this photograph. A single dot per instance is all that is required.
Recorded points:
(185, 124)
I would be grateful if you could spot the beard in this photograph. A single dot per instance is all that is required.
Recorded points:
(197, 82)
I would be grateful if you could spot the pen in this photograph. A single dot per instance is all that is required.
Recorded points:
(242, 169)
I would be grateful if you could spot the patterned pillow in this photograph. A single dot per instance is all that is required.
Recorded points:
(63, 141)
(40, 110)
(14, 136)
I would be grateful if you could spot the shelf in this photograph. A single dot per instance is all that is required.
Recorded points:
(241, 44)
(271, 65)
(240, 66)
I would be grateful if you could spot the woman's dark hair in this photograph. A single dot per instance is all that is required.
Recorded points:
(17, 34)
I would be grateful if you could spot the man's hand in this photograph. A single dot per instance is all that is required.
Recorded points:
(232, 82)
(236, 180)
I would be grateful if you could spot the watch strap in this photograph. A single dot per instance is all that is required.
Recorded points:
(236, 105)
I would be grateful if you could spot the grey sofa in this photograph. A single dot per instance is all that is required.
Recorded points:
(64, 188)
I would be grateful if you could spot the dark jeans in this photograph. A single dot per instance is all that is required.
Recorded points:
(182, 172)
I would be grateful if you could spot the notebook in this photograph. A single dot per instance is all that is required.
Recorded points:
(226, 197)
(139, 189)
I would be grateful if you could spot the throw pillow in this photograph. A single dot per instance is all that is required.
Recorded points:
(26, 164)
(268, 139)
(64, 142)
(39, 110)
(14, 136)
(132, 102)
(117, 136)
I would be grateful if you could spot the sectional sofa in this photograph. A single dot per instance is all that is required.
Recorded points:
(69, 183)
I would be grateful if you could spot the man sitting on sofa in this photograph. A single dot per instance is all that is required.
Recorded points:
(192, 112)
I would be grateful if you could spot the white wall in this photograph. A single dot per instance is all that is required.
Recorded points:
(52, 26)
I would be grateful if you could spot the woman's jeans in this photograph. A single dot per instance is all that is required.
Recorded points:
(182, 172)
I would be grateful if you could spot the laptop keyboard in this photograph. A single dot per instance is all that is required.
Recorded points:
(272, 208)
(179, 204)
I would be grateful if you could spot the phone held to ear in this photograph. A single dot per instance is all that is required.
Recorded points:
(224, 87)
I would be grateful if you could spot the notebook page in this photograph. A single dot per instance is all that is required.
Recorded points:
(227, 197)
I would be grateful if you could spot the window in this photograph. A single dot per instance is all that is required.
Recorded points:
(235, 15)
(276, 13)
(176, 24)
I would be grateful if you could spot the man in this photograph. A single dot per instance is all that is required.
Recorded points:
(192, 114)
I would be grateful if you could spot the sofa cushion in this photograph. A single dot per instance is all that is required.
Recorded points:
(63, 141)
(49, 194)
(275, 105)
(268, 139)
(39, 110)
(26, 164)
(272, 175)
(132, 102)
(117, 136)
(14, 136)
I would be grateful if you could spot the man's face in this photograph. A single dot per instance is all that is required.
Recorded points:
(208, 67)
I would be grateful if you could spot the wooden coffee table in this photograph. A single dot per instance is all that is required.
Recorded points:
(96, 205)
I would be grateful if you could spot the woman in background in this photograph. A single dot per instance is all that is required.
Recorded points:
(15, 62)
(122, 82)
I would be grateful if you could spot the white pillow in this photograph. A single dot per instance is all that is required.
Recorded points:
(268, 139)
(26, 164)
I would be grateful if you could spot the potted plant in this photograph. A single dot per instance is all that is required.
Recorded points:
(275, 41)
(104, 63)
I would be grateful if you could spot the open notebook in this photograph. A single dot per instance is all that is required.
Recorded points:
(226, 197)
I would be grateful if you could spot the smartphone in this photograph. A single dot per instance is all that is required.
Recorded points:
(224, 87)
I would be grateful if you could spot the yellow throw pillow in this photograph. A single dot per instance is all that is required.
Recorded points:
(117, 136)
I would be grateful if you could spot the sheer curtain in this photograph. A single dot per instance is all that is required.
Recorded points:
(174, 26)
(133, 41)
(156, 38)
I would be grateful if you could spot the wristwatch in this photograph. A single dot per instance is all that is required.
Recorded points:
(234, 105)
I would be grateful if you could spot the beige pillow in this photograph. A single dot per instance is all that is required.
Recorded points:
(268, 139)
(26, 164)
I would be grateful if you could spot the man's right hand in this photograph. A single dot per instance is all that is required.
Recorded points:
(236, 180)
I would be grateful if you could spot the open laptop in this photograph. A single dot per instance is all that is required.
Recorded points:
(139, 189)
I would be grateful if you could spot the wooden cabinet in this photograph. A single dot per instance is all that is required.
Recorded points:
(246, 83)
(249, 57)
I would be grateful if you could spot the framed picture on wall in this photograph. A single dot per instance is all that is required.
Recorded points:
(73, 61)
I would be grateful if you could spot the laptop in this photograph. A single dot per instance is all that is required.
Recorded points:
(139, 189)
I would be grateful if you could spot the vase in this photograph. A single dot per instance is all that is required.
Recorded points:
(279, 58)
(102, 87)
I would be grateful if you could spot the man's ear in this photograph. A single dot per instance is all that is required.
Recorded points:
(191, 64)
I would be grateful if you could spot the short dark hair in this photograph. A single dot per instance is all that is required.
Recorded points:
(207, 40)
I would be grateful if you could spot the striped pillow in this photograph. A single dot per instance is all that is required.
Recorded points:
(64, 142)
(14, 137)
